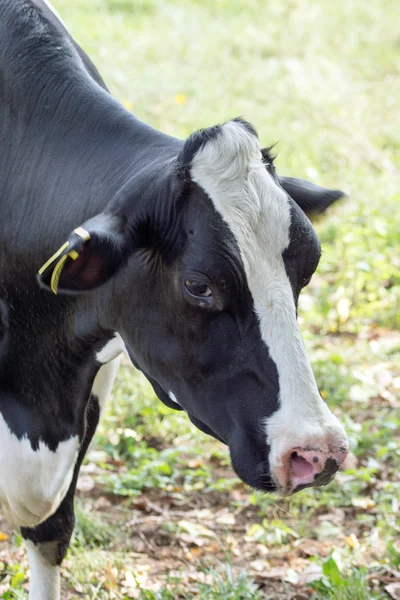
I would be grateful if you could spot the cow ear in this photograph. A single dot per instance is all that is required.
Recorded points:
(311, 198)
(92, 254)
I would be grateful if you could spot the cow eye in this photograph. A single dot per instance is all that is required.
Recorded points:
(198, 289)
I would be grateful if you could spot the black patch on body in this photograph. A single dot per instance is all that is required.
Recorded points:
(47, 371)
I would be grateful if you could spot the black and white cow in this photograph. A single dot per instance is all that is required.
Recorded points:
(191, 255)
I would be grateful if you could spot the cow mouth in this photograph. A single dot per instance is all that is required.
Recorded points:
(257, 476)
(250, 461)
(247, 466)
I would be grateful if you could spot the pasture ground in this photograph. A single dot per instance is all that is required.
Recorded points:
(160, 514)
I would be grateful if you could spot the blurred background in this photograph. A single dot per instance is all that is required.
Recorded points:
(160, 514)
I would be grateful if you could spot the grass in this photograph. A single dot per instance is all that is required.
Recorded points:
(90, 530)
(220, 584)
(164, 516)
(336, 586)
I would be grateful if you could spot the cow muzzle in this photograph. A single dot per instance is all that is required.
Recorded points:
(305, 449)
(302, 467)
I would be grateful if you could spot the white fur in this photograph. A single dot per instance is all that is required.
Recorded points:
(44, 578)
(111, 350)
(33, 482)
(230, 170)
(104, 381)
(109, 357)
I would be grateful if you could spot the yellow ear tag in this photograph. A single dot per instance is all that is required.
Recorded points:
(85, 235)
(55, 277)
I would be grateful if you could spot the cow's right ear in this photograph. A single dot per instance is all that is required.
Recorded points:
(312, 199)
(93, 253)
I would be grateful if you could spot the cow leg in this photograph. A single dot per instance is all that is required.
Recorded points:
(47, 544)
(45, 571)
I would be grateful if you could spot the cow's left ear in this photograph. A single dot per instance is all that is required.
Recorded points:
(311, 198)
(92, 254)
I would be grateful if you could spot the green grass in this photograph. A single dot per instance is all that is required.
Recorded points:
(322, 79)
(220, 585)
(335, 586)
(90, 530)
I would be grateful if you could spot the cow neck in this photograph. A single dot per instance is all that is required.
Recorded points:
(71, 146)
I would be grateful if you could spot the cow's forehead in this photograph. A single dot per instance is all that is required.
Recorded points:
(230, 169)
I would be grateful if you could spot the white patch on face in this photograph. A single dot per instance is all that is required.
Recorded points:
(104, 381)
(173, 398)
(33, 482)
(111, 350)
(230, 170)
(55, 13)
(44, 581)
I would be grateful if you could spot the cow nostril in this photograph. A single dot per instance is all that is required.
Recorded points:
(300, 466)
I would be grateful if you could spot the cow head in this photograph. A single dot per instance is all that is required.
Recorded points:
(206, 258)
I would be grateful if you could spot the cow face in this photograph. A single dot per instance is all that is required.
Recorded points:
(208, 312)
